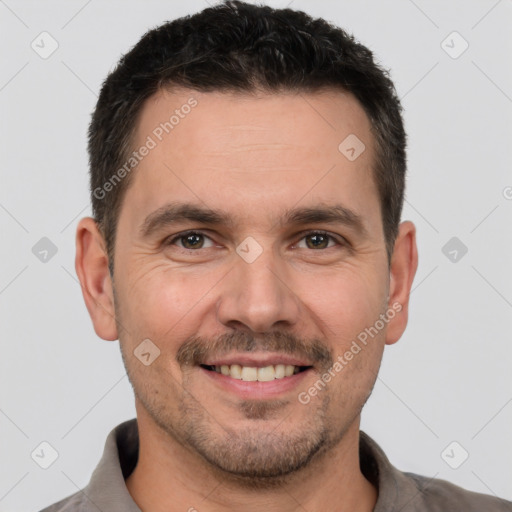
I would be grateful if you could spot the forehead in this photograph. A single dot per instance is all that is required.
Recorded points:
(270, 149)
(231, 119)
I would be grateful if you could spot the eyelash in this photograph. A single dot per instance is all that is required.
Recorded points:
(339, 240)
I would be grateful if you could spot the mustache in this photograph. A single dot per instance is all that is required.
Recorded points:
(196, 350)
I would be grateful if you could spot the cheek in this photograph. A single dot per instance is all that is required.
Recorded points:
(159, 302)
(346, 302)
(160, 305)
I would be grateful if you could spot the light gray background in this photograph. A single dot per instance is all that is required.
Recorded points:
(448, 378)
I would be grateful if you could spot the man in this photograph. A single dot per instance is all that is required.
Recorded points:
(247, 180)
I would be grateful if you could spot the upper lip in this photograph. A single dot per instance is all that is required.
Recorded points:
(256, 360)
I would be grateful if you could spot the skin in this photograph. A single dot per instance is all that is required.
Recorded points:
(252, 156)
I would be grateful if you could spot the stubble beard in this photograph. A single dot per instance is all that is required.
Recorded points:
(250, 457)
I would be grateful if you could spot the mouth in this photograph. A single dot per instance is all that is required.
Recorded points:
(256, 376)
(255, 373)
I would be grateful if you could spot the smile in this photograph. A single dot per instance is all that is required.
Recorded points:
(253, 374)
(257, 376)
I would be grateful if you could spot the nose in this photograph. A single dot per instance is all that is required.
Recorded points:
(258, 296)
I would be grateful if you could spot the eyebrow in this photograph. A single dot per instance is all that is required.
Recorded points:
(175, 212)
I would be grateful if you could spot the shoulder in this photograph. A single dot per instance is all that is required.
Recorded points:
(436, 495)
(73, 503)
(410, 492)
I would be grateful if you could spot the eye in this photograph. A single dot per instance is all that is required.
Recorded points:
(319, 240)
(190, 240)
(195, 240)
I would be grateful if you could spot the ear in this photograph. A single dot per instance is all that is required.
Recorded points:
(91, 264)
(404, 263)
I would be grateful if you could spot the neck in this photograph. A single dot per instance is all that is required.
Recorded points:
(169, 477)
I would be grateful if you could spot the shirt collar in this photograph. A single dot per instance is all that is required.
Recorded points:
(396, 489)
(107, 489)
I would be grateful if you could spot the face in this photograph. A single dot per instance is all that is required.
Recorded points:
(250, 252)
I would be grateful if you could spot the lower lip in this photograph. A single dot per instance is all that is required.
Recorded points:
(257, 390)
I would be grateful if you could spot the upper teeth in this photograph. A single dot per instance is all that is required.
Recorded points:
(257, 374)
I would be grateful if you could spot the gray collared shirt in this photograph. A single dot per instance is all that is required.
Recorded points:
(398, 491)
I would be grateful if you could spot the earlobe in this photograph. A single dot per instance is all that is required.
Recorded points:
(404, 263)
(91, 264)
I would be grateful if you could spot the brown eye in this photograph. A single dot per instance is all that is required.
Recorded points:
(191, 240)
(319, 240)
